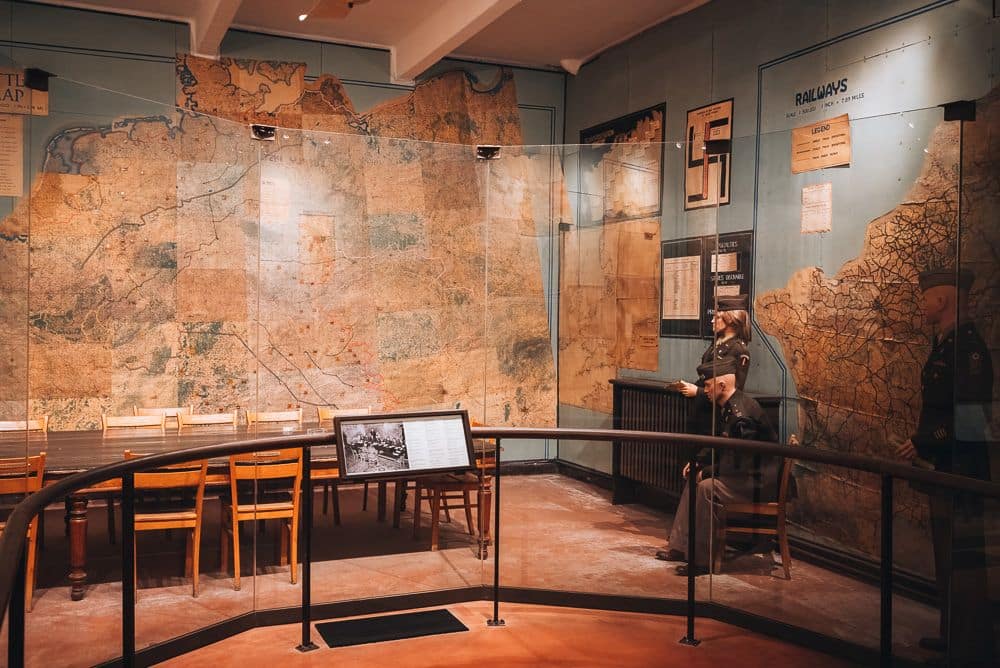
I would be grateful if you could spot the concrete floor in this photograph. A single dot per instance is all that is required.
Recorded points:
(557, 533)
(532, 636)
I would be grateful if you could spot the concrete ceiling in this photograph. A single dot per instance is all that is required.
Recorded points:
(535, 33)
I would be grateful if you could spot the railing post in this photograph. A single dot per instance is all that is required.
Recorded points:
(128, 570)
(496, 621)
(885, 584)
(15, 614)
(689, 639)
(306, 550)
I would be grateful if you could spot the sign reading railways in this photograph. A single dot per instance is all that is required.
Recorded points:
(821, 92)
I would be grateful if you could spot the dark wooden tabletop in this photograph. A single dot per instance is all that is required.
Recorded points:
(72, 451)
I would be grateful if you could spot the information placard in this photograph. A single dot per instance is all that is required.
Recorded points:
(391, 445)
(694, 273)
(11, 156)
(820, 145)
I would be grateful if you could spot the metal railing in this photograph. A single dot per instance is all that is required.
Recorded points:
(13, 564)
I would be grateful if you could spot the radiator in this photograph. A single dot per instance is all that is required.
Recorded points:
(649, 406)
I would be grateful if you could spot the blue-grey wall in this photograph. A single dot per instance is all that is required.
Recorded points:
(716, 52)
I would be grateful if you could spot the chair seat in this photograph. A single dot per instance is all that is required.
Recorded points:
(752, 508)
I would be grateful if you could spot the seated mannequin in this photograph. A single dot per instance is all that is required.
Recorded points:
(736, 477)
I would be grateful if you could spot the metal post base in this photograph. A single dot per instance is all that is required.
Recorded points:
(693, 642)
(495, 622)
(307, 647)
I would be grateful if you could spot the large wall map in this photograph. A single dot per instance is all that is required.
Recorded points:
(175, 261)
(855, 342)
(609, 259)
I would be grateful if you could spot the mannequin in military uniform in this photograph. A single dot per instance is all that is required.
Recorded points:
(956, 394)
(735, 477)
(731, 325)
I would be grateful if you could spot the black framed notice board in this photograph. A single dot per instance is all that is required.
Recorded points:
(693, 272)
(386, 446)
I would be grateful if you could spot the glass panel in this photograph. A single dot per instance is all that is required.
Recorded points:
(967, 353)
(602, 204)
(388, 315)
(841, 340)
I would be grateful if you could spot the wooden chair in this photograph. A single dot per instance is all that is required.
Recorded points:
(188, 420)
(115, 425)
(753, 512)
(330, 484)
(21, 476)
(41, 425)
(174, 515)
(442, 493)
(32, 424)
(169, 412)
(272, 417)
(261, 503)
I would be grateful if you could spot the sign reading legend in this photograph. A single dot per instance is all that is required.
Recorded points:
(820, 145)
(372, 446)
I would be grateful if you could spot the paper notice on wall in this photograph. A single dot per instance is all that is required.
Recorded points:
(275, 199)
(11, 155)
(724, 262)
(17, 98)
(817, 208)
(820, 145)
(727, 290)
(681, 288)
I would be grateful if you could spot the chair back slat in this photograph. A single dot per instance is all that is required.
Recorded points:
(271, 464)
(327, 413)
(185, 420)
(171, 478)
(22, 475)
(274, 416)
(168, 412)
(34, 424)
(184, 474)
(110, 422)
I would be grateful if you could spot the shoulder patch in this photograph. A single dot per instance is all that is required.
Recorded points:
(744, 360)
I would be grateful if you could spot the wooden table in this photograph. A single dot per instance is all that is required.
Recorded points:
(69, 452)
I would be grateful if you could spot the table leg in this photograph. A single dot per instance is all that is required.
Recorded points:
(381, 500)
(77, 546)
(399, 489)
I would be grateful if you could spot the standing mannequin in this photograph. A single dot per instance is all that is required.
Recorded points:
(951, 436)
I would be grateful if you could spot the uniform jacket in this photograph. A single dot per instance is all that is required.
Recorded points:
(956, 388)
(719, 350)
(742, 417)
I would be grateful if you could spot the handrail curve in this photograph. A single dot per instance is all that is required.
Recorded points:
(12, 540)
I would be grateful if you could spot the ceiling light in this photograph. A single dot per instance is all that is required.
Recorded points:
(303, 17)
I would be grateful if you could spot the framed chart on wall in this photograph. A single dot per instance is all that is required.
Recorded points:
(694, 272)
(707, 172)
(621, 167)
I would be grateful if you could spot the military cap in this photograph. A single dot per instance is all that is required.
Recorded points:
(717, 367)
(932, 278)
(733, 303)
